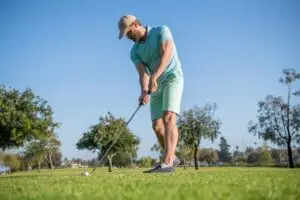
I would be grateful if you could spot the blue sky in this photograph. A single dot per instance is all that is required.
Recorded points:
(67, 52)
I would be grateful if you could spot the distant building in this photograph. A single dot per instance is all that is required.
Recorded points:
(76, 165)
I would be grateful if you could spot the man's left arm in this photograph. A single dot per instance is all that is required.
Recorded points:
(166, 45)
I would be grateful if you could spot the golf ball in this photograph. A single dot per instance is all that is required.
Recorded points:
(85, 174)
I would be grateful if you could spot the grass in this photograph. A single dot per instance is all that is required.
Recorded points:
(206, 183)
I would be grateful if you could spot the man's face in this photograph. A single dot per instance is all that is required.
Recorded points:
(133, 33)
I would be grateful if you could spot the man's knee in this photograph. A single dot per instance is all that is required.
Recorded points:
(158, 126)
(169, 118)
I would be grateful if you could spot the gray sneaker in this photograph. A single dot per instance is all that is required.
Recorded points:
(150, 170)
(162, 169)
(176, 162)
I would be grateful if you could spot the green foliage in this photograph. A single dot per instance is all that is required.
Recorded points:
(43, 151)
(101, 135)
(275, 154)
(145, 162)
(34, 153)
(156, 148)
(184, 153)
(278, 120)
(196, 124)
(12, 161)
(261, 156)
(224, 154)
(123, 159)
(23, 117)
(265, 157)
(208, 155)
(253, 158)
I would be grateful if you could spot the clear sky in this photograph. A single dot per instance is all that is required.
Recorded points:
(67, 52)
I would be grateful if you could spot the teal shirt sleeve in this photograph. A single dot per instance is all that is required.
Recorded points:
(165, 34)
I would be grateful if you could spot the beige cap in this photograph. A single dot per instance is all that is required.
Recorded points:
(124, 24)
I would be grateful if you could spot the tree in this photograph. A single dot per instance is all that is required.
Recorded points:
(12, 161)
(275, 154)
(23, 117)
(196, 124)
(33, 154)
(238, 156)
(122, 159)
(279, 121)
(253, 158)
(248, 151)
(184, 153)
(101, 135)
(145, 161)
(265, 157)
(208, 155)
(224, 154)
(156, 148)
(128, 157)
(44, 149)
(132, 145)
(261, 156)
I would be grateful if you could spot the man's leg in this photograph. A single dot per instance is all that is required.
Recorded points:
(171, 136)
(171, 100)
(158, 128)
(157, 122)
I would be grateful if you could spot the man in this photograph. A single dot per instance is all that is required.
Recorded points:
(155, 56)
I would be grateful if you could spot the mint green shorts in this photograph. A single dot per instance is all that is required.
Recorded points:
(167, 97)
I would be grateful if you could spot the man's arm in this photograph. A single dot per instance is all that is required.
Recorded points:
(143, 77)
(166, 45)
(166, 49)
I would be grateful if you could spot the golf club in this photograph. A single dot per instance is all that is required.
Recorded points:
(139, 106)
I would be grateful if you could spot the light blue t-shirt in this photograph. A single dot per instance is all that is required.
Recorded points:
(149, 52)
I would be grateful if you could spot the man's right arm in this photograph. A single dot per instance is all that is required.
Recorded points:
(143, 77)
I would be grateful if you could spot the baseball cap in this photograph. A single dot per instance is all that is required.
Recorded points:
(124, 24)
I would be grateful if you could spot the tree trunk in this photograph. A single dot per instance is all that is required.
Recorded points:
(195, 157)
(184, 167)
(131, 162)
(110, 163)
(39, 164)
(50, 162)
(290, 154)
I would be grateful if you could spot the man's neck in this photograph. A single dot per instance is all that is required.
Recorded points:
(144, 34)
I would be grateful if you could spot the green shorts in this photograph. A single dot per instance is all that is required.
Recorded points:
(167, 97)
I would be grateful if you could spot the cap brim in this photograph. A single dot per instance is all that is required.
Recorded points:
(123, 33)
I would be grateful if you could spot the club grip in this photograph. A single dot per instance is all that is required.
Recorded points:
(141, 103)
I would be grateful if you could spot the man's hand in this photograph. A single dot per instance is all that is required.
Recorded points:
(144, 98)
(153, 84)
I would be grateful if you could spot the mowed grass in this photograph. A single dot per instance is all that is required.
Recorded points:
(206, 183)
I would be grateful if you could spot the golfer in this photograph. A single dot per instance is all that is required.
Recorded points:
(155, 57)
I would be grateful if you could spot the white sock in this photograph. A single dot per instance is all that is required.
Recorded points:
(164, 165)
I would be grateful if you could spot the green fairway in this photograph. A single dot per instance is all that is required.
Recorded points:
(206, 183)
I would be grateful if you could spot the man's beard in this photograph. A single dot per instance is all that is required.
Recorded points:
(135, 38)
